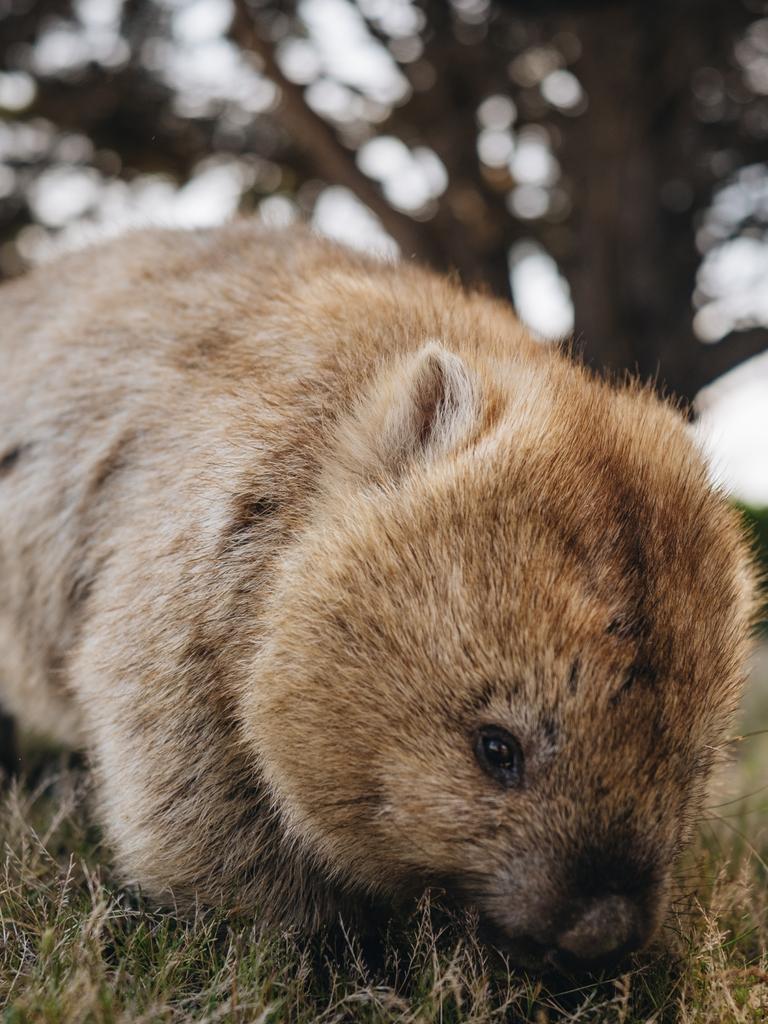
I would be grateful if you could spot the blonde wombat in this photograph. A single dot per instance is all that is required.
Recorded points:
(349, 587)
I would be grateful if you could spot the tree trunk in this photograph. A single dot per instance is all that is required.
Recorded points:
(638, 168)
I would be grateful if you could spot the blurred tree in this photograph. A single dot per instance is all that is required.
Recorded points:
(607, 134)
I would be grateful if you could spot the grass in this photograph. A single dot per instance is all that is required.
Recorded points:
(75, 948)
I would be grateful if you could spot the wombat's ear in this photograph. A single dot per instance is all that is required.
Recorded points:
(420, 408)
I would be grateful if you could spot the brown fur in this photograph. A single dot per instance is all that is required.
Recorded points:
(282, 526)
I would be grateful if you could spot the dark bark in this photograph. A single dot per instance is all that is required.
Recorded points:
(632, 260)
(692, 367)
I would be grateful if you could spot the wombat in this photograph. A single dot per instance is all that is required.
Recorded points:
(349, 587)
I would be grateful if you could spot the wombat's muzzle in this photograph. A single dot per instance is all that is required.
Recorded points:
(602, 931)
(590, 935)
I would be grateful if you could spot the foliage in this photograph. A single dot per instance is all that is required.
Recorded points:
(756, 522)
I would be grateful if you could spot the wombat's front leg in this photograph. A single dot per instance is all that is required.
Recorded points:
(9, 760)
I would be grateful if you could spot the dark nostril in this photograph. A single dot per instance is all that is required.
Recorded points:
(606, 928)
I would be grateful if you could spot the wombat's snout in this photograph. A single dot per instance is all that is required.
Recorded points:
(585, 934)
(604, 929)
(590, 935)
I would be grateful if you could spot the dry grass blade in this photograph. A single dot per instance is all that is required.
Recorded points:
(75, 948)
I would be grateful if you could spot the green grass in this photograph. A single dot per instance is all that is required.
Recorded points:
(76, 948)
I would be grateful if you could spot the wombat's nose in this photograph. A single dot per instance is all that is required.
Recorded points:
(605, 929)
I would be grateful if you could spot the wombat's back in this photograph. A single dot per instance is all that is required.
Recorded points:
(135, 380)
(141, 381)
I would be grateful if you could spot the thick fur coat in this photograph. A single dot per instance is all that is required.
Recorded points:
(283, 529)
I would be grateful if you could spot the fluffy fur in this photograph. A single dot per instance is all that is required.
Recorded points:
(281, 527)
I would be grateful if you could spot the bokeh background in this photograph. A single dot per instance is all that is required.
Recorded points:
(603, 165)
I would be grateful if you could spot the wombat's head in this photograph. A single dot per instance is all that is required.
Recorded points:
(502, 659)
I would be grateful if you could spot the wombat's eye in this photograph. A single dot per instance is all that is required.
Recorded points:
(499, 754)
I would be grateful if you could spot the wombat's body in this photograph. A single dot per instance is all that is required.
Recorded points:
(286, 535)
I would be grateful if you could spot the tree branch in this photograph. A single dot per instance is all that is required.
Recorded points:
(472, 224)
(334, 162)
(716, 359)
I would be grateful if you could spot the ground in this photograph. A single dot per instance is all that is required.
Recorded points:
(75, 948)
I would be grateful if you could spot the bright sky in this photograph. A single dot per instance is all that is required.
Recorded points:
(733, 429)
